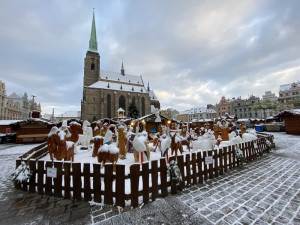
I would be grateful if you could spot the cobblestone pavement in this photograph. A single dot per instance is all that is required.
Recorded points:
(20, 207)
(266, 191)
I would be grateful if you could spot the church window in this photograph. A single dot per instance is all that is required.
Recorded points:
(143, 106)
(92, 66)
(108, 106)
(122, 103)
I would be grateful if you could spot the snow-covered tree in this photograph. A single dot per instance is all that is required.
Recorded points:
(133, 111)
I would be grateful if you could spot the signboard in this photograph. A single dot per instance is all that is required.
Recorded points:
(208, 160)
(51, 172)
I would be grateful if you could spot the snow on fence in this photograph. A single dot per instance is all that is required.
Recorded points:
(149, 180)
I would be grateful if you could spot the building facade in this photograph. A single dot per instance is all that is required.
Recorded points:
(104, 92)
(2, 101)
(224, 107)
(169, 113)
(289, 91)
(196, 114)
(242, 108)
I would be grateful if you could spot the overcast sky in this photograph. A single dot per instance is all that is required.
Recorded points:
(192, 52)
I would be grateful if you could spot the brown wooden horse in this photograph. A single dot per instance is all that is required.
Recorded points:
(98, 142)
(176, 144)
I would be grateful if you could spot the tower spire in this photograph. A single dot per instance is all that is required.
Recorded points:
(148, 88)
(93, 45)
(122, 68)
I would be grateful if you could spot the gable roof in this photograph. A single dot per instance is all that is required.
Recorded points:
(118, 77)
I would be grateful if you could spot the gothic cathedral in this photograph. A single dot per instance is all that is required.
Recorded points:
(105, 92)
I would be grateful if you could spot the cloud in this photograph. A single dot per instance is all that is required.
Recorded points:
(192, 52)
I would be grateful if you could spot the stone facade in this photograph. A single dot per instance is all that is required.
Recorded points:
(224, 107)
(289, 91)
(2, 100)
(104, 92)
(242, 108)
(271, 96)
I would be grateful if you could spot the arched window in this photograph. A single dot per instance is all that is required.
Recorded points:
(143, 106)
(92, 66)
(108, 109)
(122, 103)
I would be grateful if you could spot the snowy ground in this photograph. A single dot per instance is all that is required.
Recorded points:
(266, 191)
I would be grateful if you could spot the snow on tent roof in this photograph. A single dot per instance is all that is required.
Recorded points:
(118, 86)
(118, 77)
(288, 86)
(198, 110)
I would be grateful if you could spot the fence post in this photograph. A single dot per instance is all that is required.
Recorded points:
(32, 165)
(120, 185)
(108, 179)
(41, 174)
(163, 177)
(210, 166)
(216, 164)
(194, 165)
(87, 182)
(154, 168)
(181, 168)
(67, 179)
(205, 166)
(188, 169)
(145, 175)
(58, 179)
(230, 157)
(200, 169)
(48, 185)
(97, 183)
(134, 184)
(76, 168)
(221, 161)
(225, 159)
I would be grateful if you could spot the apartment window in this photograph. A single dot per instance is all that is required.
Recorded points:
(281, 95)
(286, 94)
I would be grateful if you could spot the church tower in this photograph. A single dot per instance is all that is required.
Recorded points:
(92, 59)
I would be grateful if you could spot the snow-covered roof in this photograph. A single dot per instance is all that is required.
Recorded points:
(198, 110)
(8, 122)
(118, 86)
(287, 113)
(68, 114)
(118, 77)
(288, 86)
(153, 96)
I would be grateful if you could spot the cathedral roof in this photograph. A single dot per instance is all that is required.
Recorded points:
(118, 77)
(118, 86)
(153, 96)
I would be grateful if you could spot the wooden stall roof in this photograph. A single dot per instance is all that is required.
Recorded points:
(18, 124)
(289, 113)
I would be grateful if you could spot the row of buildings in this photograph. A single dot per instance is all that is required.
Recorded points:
(241, 108)
(15, 107)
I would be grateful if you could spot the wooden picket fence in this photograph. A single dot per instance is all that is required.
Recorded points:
(144, 182)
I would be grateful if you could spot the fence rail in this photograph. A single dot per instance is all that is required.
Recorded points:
(144, 182)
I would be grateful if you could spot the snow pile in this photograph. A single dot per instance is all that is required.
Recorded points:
(249, 137)
(22, 174)
(112, 149)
